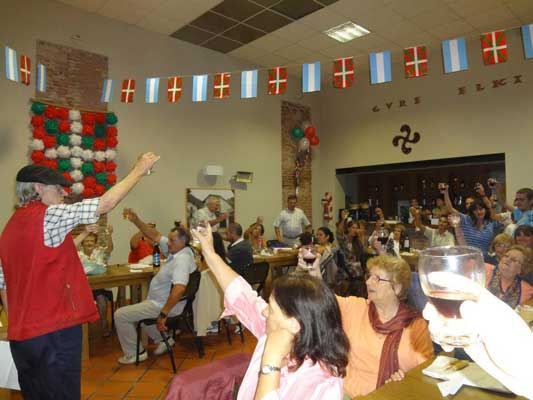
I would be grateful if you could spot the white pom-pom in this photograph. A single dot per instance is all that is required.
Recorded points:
(50, 153)
(99, 156)
(87, 155)
(76, 127)
(74, 140)
(110, 154)
(74, 115)
(76, 151)
(36, 144)
(76, 175)
(75, 162)
(77, 188)
(63, 151)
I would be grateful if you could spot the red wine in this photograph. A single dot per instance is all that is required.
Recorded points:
(309, 260)
(448, 304)
(383, 240)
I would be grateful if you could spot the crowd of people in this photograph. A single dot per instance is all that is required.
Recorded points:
(346, 325)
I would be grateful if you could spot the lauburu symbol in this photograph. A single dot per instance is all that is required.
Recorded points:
(406, 139)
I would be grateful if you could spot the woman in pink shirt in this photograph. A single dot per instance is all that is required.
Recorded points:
(302, 351)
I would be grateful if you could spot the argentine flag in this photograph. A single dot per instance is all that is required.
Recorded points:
(41, 78)
(527, 38)
(249, 84)
(380, 67)
(12, 69)
(311, 77)
(454, 55)
(199, 88)
(152, 90)
(107, 91)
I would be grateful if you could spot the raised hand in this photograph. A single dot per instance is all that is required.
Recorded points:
(145, 163)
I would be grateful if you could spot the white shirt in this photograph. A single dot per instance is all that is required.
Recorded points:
(291, 223)
(205, 214)
(98, 256)
(436, 239)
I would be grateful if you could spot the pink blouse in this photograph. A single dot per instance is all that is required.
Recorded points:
(310, 381)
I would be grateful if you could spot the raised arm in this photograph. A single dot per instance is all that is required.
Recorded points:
(480, 190)
(445, 190)
(151, 233)
(415, 212)
(502, 198)
(87, 230)
(109, 246)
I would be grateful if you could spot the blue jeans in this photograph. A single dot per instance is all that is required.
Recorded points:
(49, 366)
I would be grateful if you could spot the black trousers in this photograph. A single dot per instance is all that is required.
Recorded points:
(49, 366)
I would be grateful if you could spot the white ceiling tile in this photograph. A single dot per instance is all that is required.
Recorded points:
(410, 8)
(294, 51)
(452, 30)
(375, 19)
(295, 32)
(323, 19)
(493, 17)
(247, 52)
(160, 25)
(435, 17)
(129, 11)
(348, 7)
(521, 7)
(318, 41)
(272, 60)
(86, 5)
(467, 8)
(372, 42)
(338, 52)
(269, 42)
(496, 26)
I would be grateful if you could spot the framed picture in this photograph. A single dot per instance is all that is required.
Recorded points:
(221, 201)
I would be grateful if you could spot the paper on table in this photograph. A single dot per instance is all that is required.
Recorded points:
(472, 375)
(139, 266)
(8, 372)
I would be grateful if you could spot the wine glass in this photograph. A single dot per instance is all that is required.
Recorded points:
(199, 227)
(449, 276)
(309, 254)
(455, 220)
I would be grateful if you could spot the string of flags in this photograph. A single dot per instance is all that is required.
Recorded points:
(416, 64)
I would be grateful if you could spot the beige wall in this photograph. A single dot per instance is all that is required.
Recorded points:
(237, 134)
(492, 121)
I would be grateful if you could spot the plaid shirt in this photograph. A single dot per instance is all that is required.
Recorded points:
(60, 219)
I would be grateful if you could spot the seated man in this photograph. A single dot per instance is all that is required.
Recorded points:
(240, 252)
(437, 237)
(166, 289)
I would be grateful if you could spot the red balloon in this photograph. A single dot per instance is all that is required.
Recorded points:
(314, 141)
(310, 132)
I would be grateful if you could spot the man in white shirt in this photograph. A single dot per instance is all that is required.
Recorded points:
(291, 222)
(211, 213)
(437, 237)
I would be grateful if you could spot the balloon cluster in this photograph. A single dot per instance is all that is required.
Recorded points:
(306, 136)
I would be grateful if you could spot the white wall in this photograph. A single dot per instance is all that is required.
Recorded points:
(237, 134)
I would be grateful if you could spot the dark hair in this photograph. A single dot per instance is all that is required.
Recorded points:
(218, 245)
(478, 204)
(526, 191)
(525, 230)
(183, 234)
(306, 238)
(235, 228)
(357, 247)
(326, 231)
(314, 306)
(292, 197)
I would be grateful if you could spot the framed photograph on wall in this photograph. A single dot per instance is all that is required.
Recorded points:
(197, 199)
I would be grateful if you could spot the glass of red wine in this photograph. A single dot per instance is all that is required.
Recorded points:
(449, 276)
(309, 255)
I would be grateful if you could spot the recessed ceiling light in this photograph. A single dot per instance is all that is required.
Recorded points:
(346, 32)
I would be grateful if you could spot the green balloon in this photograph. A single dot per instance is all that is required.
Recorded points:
(87, 168)
(63, 139)
(111, 118)
(51, 126)
(38, 108)
(87, 142)
(63, 165)
(297, 133)
(99, 131)
(101, 177)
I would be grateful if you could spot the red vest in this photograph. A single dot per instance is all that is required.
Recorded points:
(47, 289)
(143, 250)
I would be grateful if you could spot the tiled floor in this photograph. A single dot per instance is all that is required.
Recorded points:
(104, 378)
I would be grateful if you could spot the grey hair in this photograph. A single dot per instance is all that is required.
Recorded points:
(211, 197)
(25, 193)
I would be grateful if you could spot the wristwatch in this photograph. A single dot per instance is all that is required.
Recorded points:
(268, 369)
(162, 314)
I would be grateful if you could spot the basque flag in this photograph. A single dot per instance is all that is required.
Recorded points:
(199, 88)
(380, 67)
(249, 84)
(311, 77)
(152, 90)
(107, 91)
(527, 38)
(41, 78)
(12, 70)
(454, 55)
(174, 89)
(25, 70)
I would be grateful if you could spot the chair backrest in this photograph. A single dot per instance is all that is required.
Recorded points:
(192, 286)
(256, 274)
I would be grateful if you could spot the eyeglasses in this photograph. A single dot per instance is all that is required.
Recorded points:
(376, 278)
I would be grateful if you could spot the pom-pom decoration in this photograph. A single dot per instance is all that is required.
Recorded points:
(112, 142)
(111, 179)
(50, 153)
(37, 144)
(89, 181)
(99, 144)
(50, 112)
(67, 176)
(101, 177)
(76, 127)
(37, 120)
(76, 151)
(87, 118)
(76, 162)
(62, 113)
(39, 132)
(63, 139)
(51, 126)
(49, 141)
(77, 188)
(37, 156)
(111, 131)
(63, 151)
(87, 155)
(99, 118)
(99, 131)
(76, 174)
(110, 154)
(74, 115)
(75, 140)
(99, 190)
(63, 165)
(87, 169)
(110, 166)
(38, 108)
(88, 193)
(111, 118)
(98, 167)
(88, 130)
(99, 156)
(87, 142)
(50, 164)
(64, 126)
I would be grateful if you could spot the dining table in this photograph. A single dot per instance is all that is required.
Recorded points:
(276, 262)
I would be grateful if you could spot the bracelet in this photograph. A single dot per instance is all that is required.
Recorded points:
(162, 315)
(268, 369)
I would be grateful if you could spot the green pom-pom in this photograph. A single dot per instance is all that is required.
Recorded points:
(101, 177)
(63, 165)
(63, 139)
(51, 126)
(38, 108)
(87, 168)
(99, 131)
(111, 118)
(87, 142)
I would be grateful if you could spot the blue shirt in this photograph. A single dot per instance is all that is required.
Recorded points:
(476, 237)
(523, 217)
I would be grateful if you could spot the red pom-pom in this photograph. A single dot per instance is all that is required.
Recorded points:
(99, 189)
(89, 182)
(62, 113)
(37, 120)
(67, 176)
(67, 189)
(111, 179)
(112, 142)
(99, 144)
(49, 141)
(50, 112)
(87, 118)
(50, 163)
(64, 126)
(100, 118)
(110, 166)
(88, 130)
(39, 133)
(37, 156)
(314, 141)
(97, 165)
(87, 193)
(111, 131)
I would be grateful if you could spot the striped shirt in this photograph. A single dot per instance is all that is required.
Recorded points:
(480, 238)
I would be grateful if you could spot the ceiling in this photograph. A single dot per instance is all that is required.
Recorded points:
(284, 32)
